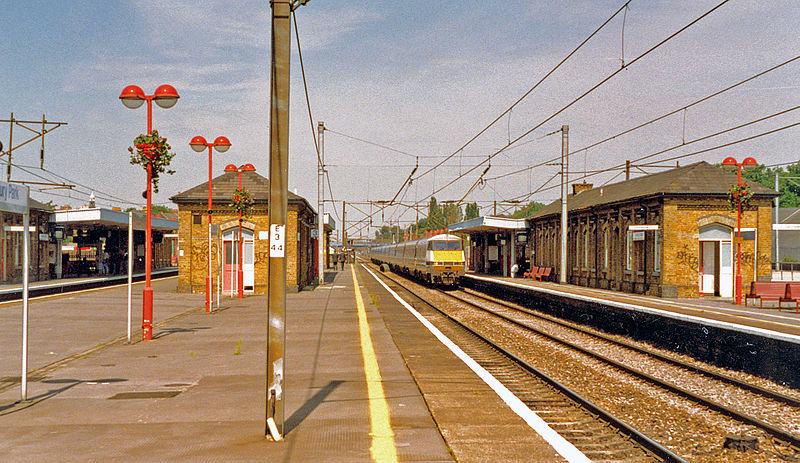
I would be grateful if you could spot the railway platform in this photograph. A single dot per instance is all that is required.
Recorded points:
(783, 320)
(11, 291)
(764, 342)
(196, 392)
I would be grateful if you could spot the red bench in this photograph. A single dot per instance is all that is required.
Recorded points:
(544, 273)
(767, 291)
(531, 273)
(792, 295)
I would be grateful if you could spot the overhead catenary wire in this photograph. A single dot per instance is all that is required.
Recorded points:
(663, 116)
(305, 87)
(388, 148)
(685, 143)
(682, 156)
(587, 92)
(98, 193)
(575, 50)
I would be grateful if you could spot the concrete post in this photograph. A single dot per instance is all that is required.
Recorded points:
(562, 274)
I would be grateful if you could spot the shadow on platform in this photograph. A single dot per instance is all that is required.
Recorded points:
(312, 403)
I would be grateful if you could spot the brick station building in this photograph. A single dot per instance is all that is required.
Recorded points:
(669, 234)
(11, 249)
(193, 237)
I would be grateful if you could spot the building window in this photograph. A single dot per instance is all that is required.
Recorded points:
(628, 250)
(586, 248)
(657, 249)
(197, 219)
(605, 248)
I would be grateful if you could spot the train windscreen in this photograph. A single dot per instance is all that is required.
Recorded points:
(445, 245)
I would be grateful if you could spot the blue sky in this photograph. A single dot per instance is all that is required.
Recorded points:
(422, 77)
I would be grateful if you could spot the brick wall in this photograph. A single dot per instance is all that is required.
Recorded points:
(193, 241)
(679, 221)
(682, 221)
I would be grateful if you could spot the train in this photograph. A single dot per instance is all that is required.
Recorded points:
(437, 260)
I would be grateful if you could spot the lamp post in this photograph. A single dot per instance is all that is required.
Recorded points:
(222, 145)
(132, 97)
(747, 162)
(240, 271)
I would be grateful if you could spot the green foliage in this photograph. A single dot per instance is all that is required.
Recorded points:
(156, 208)
(472, 211)
(788, 181)
(435, 216)
(242, 201)
(527, 210)
(388, 233)
(50, 205)
(739, 195)
(154, 150)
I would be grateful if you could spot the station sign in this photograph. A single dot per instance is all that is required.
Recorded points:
(642, 227)
(277, 240)
(13, 198)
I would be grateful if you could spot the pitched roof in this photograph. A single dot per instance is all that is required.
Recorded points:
(34, 204)
(698, 179)
(224, 185)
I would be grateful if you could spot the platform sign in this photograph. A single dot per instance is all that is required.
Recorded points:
(13, 198)
(277, 240)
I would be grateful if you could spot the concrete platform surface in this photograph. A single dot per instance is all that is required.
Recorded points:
(196, 392)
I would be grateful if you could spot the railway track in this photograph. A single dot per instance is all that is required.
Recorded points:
(593, 430)
(763, 408)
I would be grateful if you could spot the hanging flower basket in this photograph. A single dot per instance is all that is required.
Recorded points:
(739, 194)
(152, 149)
(242, 201)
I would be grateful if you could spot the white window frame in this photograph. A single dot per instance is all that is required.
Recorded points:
(586, 248)
(657, 251)
(629, 244)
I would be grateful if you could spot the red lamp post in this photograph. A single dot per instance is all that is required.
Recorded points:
(132, 97)
(747, 162)
(222, 145)
(240, 271)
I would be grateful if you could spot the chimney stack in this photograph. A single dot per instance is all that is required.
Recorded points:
(578, 187)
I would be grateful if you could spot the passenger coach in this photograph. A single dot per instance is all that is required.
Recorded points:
(436, 259)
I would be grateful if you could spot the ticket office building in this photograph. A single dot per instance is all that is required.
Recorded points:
(670, 234)
(193, 239)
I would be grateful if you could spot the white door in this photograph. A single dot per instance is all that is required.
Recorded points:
(230, 267)
(708, 264)
(248, 266)
(725, 269)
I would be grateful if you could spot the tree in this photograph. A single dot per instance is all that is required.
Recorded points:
(472, 211)
(157, 209)
(388, 234)
(527, 210)
(788, 186)
(435, 215)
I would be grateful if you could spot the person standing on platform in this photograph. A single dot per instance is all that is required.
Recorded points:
(342, 258)
(105, 262)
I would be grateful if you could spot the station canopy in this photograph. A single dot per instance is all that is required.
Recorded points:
(488, 224)
(108, 218)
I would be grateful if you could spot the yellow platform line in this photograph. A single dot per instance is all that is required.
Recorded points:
(382, 449)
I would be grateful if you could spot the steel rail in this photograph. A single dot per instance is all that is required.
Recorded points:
(786, 399)
(781, 434)
(635, 435)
